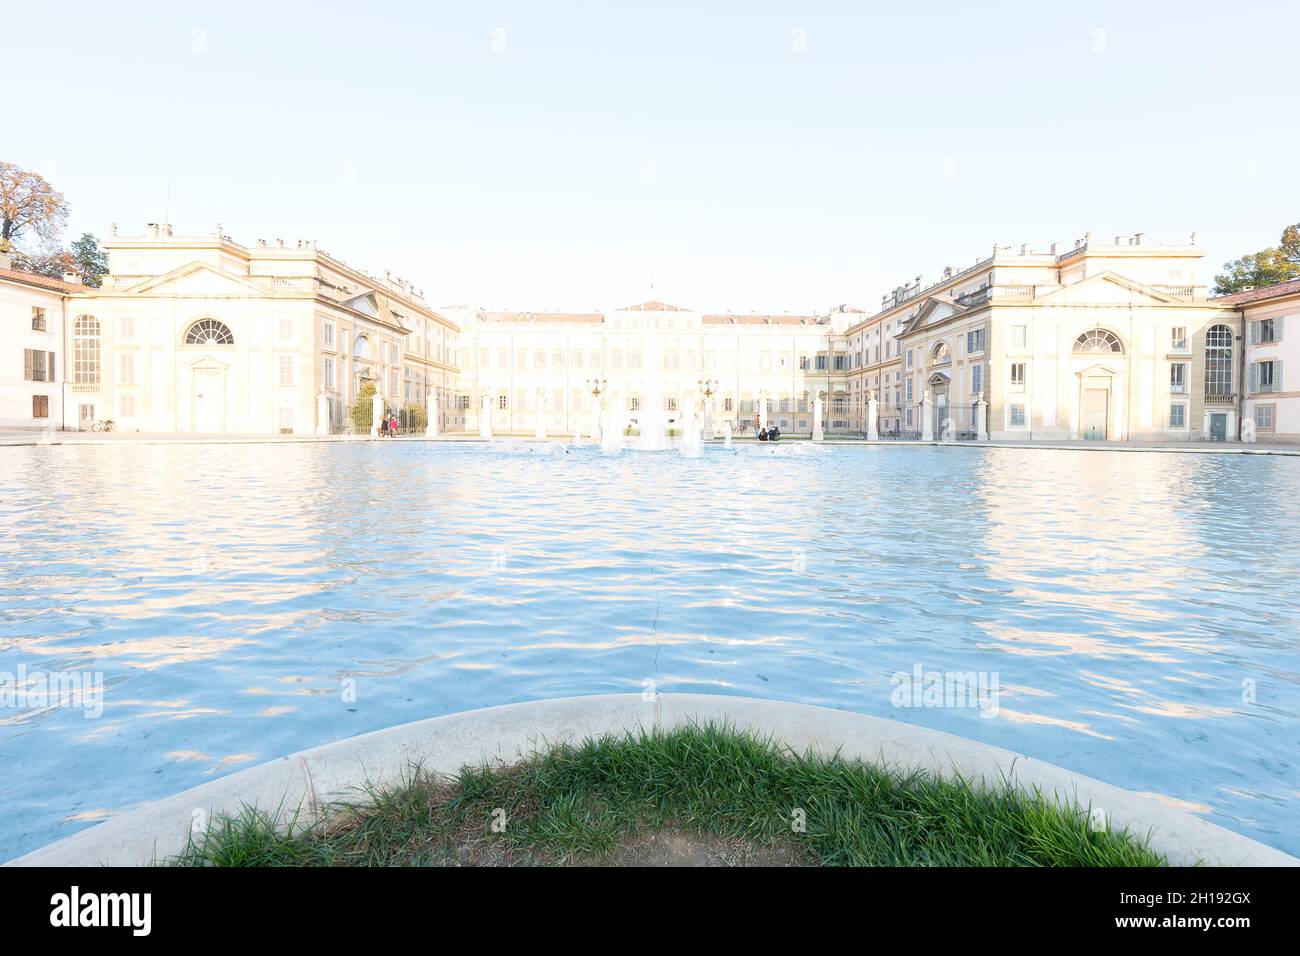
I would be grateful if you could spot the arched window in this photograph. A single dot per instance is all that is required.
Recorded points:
(361, 348)
(940, 354)
(1098, 340)
(209, 332)
(1218, 360)
(85, 350)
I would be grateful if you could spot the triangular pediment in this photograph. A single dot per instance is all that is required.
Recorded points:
(935, 310)
(196, 279)
(1108, 288)
(367, 303)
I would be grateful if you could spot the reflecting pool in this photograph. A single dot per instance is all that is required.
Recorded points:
(1138, 612)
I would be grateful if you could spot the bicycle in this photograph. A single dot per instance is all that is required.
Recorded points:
(102, 426)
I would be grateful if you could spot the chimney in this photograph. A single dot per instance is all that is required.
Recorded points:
(167, 229)
(72, 278)
(1054, 249)
(1024, 248)
(151, 230)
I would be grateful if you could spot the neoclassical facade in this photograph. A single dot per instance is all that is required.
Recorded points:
(1102, 341)
(526, 366)
(1272, 367)
(33, 316)
(199, 334)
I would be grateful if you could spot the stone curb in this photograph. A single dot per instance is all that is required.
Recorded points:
(308, 781)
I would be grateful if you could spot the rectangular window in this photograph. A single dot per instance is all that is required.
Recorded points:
(1178, 378)
(127, 326)
(1265, 376)
(575, 359)
(126, 368)
(329, 335)
(839, 363)
(501, 401)
(975, 340)
(286, 330)
(976, 379)
(40, 406)
(1178, 338)
(728, 404)
(539, 358)
(909, 389)
(286, 369)
(1264, 331)
(1019, 336)
(1264, 417)
(804, 362)
(1016, 417)
(327, 372)
(38, 319)
(634, 403)
(821, 363)
(1177, 415)
(126, 406)
(1018, 376)
(670, 404)
(909, 358)
(38, 366)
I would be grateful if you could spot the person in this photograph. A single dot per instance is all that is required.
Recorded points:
(383, 426)
(762, 434)
(774, 434)
(392, 427)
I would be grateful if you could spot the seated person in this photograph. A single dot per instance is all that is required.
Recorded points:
(762, 435)
(774, 434)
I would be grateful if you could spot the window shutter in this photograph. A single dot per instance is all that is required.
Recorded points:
(1254, 333)
(1277, 376)
(1254, 376)
(49, 366)
(28, 371)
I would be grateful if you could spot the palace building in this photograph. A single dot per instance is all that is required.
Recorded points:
(33, 315)
(203, 335)
(1113, 341)
(556, 366)
(1098, 341)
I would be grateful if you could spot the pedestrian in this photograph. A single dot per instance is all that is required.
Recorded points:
(392, 427)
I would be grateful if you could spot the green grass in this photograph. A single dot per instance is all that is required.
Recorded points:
(584, 802)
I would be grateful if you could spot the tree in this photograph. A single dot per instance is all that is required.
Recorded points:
(91, 261)
(1266, 267)
(30, 208)
(53, 265)
(363, 410)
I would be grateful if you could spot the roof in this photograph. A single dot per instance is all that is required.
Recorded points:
(1277, 291)
(761, 319)
(653, 306)
(44, 282)
(562, 318)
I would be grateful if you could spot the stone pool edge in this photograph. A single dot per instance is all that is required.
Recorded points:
(311, 779)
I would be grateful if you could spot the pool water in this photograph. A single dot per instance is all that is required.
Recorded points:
(1138, 611)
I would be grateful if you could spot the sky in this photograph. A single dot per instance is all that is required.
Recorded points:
(743, 156)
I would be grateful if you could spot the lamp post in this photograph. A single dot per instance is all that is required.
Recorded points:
(597, 387)
(707, 387)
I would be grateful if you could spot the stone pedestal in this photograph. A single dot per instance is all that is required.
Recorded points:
(431, 412)
(981, 420)
(927, 423)
(322, 414)
(818, 434)
(873, 410)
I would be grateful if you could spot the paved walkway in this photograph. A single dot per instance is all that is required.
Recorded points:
(13, 438)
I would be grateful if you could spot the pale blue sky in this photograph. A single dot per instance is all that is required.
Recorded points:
(695, 142)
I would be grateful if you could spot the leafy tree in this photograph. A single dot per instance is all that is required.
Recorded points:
(362, 410)
(1266, 267)
(91, 261)
(30, 208)
(53, 265)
